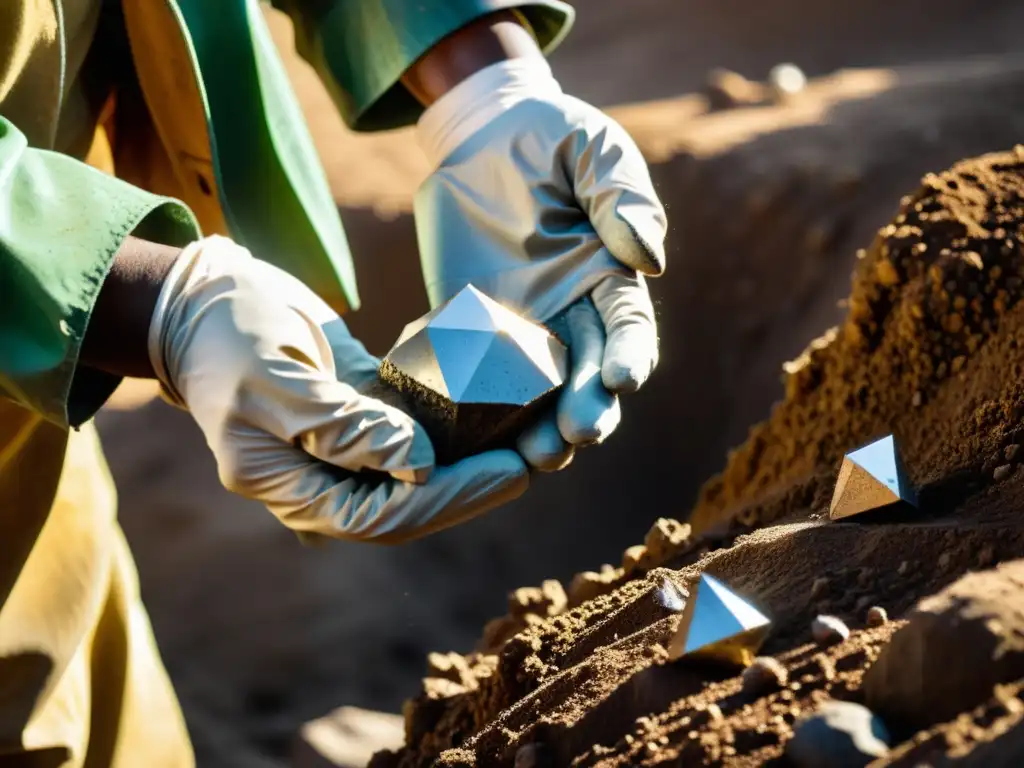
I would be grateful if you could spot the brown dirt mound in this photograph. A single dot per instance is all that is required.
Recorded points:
(932, 349)
(930, 291)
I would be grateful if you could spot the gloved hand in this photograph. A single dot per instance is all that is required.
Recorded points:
(273, 377)
(545, 204)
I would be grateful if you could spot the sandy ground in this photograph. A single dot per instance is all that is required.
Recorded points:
(768, 206)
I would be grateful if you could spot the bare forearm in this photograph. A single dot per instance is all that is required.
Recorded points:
(493, 38)
(116, 339)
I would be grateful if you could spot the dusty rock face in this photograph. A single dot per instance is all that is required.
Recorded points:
(956, 646)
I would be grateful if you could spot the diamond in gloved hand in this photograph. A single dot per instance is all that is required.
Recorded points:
(719, 625)
(870, 478)
(474, 373)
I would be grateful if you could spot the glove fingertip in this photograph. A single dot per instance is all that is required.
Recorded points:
(622, 378)
(626, 373)
(543, 447)
(551, 462)
(644, 260)
(586, 420)
(636, 250)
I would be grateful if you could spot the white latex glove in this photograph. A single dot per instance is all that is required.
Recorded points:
(272, 376)
(545, 204)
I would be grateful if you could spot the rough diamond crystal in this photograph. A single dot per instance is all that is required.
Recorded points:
(870, 478)
(474, 373)
(719, 625)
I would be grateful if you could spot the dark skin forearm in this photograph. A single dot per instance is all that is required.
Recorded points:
(488, 40)
(116, 340)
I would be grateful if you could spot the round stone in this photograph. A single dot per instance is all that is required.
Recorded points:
(829, 630)
(840, 734)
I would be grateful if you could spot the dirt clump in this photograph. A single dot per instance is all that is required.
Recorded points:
(547, 600)
(667, 541)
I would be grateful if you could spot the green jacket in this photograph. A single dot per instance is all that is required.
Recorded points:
(269, 184)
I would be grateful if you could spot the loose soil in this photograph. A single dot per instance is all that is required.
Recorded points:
(931, 349)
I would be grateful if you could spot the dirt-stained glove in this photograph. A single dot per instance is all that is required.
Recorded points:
(273, 377)
(544, 203)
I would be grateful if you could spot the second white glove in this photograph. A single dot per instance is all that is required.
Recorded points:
(545, 203)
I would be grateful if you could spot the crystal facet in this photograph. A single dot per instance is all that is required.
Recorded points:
(870, 478)
(719, 625)
(474, 373)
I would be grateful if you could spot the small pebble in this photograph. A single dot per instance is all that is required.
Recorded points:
(877, 616)
(764, 674)
(829, 630)
(840, 734)
(1001, 472)
(916, 399)
(904, 567)
(787, 79)
(1010, 452)
(945, 559)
